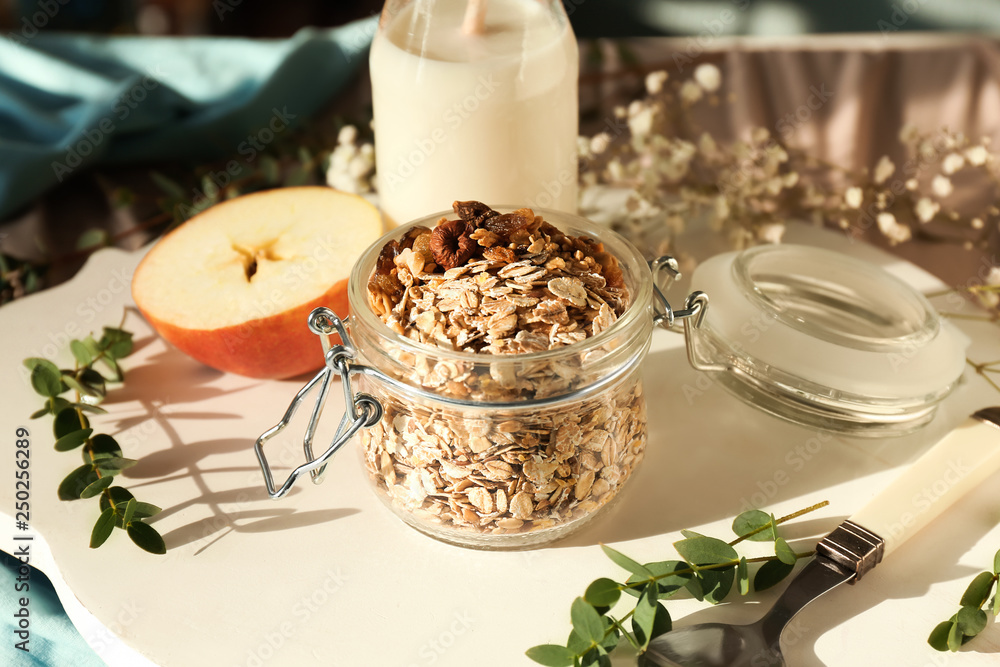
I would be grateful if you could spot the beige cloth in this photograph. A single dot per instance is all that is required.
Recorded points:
(843, 98)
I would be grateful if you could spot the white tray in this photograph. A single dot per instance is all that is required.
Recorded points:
(328, 576)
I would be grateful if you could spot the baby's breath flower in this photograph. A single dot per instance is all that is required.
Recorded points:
(759, 135)
(351, 167)
(891, 229)
(952, 163)
(771, 232)
(707, 145)
(655, 81)
(690, 92)
(347, 135)
(708, 77)
(640, 119)
(912, 184)
(600, 143)
(941, 186)
(853, 197)
(883, 170)
(993, 277)
(909, 134)
(977, 223)
(976, 155)
(926, 209)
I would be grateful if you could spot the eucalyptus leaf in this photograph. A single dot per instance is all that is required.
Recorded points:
(94, 380)
(955, 637)
(129, 512)
(743, 577)
(114, 464)
(596, 657)
(971, 620)
(93, 238)
(269, 168)
(120, 495)
(938, 638)
(996, 563)
(576, 643)
(996, 603)
(80, 352)
(46, 378)
(146, 510)
(693, 586)
(771, 573)
(40, 413)
(73, 440)
(112, 365)
(97, 486)
(625, 562)
(586, 621)
(716, 583)
(643, 616)
(661, 624)
(86, 407)
(784, 552)
(67, 421)
(705, 550)
(78, 386)
(57, 404)
(103, 528)
(116, 342)
(73, 485)
(668, 582)
(299, 175)
(169, 186)
(146, 537)
(752, 520)
(551, 655)
(602, 592)
(103, 446)
(691, 534)
(611, 635)
(978, 591)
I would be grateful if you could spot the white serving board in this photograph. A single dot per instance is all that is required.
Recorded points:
(327, 576)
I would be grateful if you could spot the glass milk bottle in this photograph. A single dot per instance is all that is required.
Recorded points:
(474, 100)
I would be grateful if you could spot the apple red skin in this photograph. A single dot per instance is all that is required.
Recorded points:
(275, 347)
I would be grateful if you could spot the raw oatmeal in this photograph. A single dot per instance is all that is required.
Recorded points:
(501, 285)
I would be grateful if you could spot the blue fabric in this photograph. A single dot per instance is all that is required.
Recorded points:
(53, 640)
(73, 101)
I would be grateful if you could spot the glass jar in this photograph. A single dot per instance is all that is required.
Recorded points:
(505, 451)
(455, 105)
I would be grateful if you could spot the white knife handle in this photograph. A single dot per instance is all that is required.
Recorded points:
(947, 471)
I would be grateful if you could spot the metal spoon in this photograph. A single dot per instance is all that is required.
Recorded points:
(952, 467)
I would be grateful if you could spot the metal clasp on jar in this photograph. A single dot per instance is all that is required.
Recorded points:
(362, 410)
(693, 313)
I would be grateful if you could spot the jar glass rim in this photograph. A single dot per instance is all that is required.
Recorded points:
(821, 293)
(615, 244)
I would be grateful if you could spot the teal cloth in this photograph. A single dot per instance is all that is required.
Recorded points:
(53, 640)
(69, 102)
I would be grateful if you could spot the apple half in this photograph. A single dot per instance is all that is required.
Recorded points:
(233, 286)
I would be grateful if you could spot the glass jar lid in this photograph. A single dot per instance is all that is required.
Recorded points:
(824, 339)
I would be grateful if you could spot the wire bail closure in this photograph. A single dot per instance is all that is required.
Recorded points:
(361, 410)
(693, 313)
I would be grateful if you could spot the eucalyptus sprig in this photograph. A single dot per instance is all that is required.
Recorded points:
(971, 619)
(102, 456)
(708, 571)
